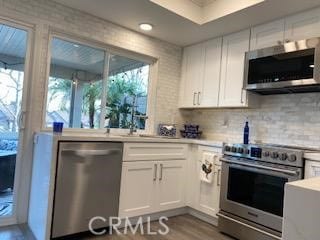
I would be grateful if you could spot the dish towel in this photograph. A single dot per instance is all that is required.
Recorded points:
(207, 167)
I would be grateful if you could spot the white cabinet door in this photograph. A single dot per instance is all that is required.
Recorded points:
(192, 75)
(138, 188)
(192, 178)
(232, 70)
(171, 185)
(302, 26)
(209, 94)
(312, 169)
(209, 193)
(267, 35)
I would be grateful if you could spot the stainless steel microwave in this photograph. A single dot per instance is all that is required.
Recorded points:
(293, 67)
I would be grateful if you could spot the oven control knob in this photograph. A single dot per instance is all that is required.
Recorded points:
(283, 156)
(240, 150)
(266, 154)
(292, 158)
(275, 155)
(227, 148)
(234, 149)
(246, 151)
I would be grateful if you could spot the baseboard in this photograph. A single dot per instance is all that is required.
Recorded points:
(202, 216)
(156, 216)
(176, 212)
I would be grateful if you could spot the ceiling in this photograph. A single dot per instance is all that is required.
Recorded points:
(176, 29)
(202, 3)
(13, 41)
(66, 57)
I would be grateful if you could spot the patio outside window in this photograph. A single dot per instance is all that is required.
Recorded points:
(89, 88)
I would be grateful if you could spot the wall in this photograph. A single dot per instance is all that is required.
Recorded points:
(50, 14)
(46, 14)
(281, 119)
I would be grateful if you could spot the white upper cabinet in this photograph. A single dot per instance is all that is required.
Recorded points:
(302, 26)
(267, 35)
(192, 74)
(232, 70)
(209, 94)
(201, 75)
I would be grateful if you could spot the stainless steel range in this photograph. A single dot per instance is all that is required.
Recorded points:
(252, 189)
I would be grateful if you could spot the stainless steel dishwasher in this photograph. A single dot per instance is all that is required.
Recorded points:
(87, 185)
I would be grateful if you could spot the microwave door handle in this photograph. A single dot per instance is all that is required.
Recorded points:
(289, 172)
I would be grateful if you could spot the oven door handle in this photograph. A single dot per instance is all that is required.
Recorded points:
(248, 226)
(289, 172)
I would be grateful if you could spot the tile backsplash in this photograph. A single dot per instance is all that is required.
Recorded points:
(290, 119)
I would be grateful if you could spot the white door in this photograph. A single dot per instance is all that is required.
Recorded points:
(138, 188)
(302, 26)
(232, 69)
(171, 185)
(15, 50)
(192, 177)
(193, 63)
(209, 94)
(209, 193)
(267, 35)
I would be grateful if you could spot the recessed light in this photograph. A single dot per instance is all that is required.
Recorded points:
(145, 26)
(311, 65)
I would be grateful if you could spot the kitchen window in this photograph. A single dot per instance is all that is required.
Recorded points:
(93, 88)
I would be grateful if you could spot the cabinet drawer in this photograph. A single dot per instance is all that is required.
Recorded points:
(154, 151)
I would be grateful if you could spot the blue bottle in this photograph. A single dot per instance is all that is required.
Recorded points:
(246, 133)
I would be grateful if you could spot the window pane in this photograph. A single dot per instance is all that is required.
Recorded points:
(127, 89)
(75, 85)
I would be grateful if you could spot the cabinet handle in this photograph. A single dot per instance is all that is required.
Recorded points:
(219, 177)
(161, 167)
(155, 172)
(194, 98)
(199, 98)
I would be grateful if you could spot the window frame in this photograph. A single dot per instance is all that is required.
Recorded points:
(108, 49)
(20, 198)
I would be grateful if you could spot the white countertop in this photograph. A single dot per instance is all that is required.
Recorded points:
(313, 156)
(120, 138)
(312, 184)
(301, 210)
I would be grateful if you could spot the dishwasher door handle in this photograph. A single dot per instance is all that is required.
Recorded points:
(89, 153)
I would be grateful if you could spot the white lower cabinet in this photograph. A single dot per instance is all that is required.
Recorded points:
(152, 186)
(207, 195)
(169, 180)
(138, 188)
(171, 185)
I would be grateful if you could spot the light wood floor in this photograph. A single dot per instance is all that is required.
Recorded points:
(183, 227)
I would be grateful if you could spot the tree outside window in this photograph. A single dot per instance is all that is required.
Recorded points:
(82, 95)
